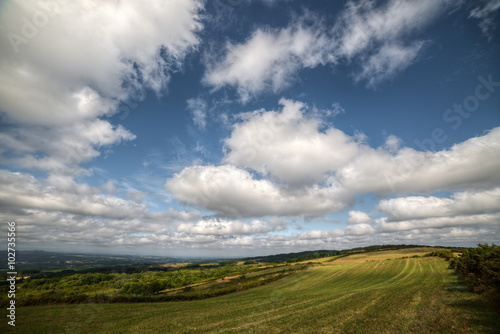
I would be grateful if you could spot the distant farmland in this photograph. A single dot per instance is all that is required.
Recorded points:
(377, 292)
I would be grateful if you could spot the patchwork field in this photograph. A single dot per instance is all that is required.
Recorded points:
(363, 293)
(379, 256)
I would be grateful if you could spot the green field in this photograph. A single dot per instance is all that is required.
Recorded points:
(409, 295)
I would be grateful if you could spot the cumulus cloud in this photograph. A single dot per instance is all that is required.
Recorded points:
(359, 229)
(59, 213)
(479, 220)
(462, 214)
(56, 73)
(461, 203)
(231, 191)
(376, 35)
(270, 59)
(110, 187)
(62, 195)
(410, 170)
(288, 145)
(24, 191)
(60, 150)
(358, 217)
(314, 235)
(282, 163)
(215, 226)
(59, 230)
(65, 66)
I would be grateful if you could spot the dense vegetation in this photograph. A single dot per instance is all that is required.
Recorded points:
(479, 267)
(410, 295)
(128, 280)
(65, 286)
(357, 285)
(310, 255)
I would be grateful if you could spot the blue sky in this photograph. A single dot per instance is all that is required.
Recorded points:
(247, 127)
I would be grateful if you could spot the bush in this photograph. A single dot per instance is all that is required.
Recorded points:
(445, 254)
(480, 268)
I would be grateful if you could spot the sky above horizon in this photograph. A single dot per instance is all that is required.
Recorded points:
(249, 127)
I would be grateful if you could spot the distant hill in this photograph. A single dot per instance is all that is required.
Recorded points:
(309, 255)
(43, 259)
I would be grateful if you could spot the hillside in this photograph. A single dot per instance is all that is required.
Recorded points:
(375, 292)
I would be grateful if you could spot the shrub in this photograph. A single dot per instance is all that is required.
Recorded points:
(445, 254)
(480, 267)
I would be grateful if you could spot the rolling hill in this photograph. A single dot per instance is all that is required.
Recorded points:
(395, 291)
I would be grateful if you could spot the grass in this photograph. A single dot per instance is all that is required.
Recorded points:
(409, 295)
(381, 255)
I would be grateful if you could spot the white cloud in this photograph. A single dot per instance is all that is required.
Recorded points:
(409, 170)
(234, 192)
(136, 196)
(359, 229)
(479, 220)
(55, 73)
(58, 195)
(60, 150)
(362, 24)
(290, 147)
(301, 169)
(313, 235)
(24, 191)
(174, 215)
(387, 62)
(335, 110)
(65, 65)
(270, 58)
(486, 12)
(375, 37)
(462, 203)
(287, 145)
(55, 91)
(392, 144)
(59, 231)
(110, 187)
(198, 108)
(358, 217)
(214, 226)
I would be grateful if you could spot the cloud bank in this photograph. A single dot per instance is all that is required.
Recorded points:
(66, 67)
(54, 86)
(282, 163)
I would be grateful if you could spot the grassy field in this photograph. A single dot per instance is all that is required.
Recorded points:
(370, 293)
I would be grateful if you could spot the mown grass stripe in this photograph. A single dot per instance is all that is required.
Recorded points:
(415, 295)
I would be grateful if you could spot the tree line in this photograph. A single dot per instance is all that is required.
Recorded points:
(479, 267)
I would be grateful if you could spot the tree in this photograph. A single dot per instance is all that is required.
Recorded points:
(480, 267)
